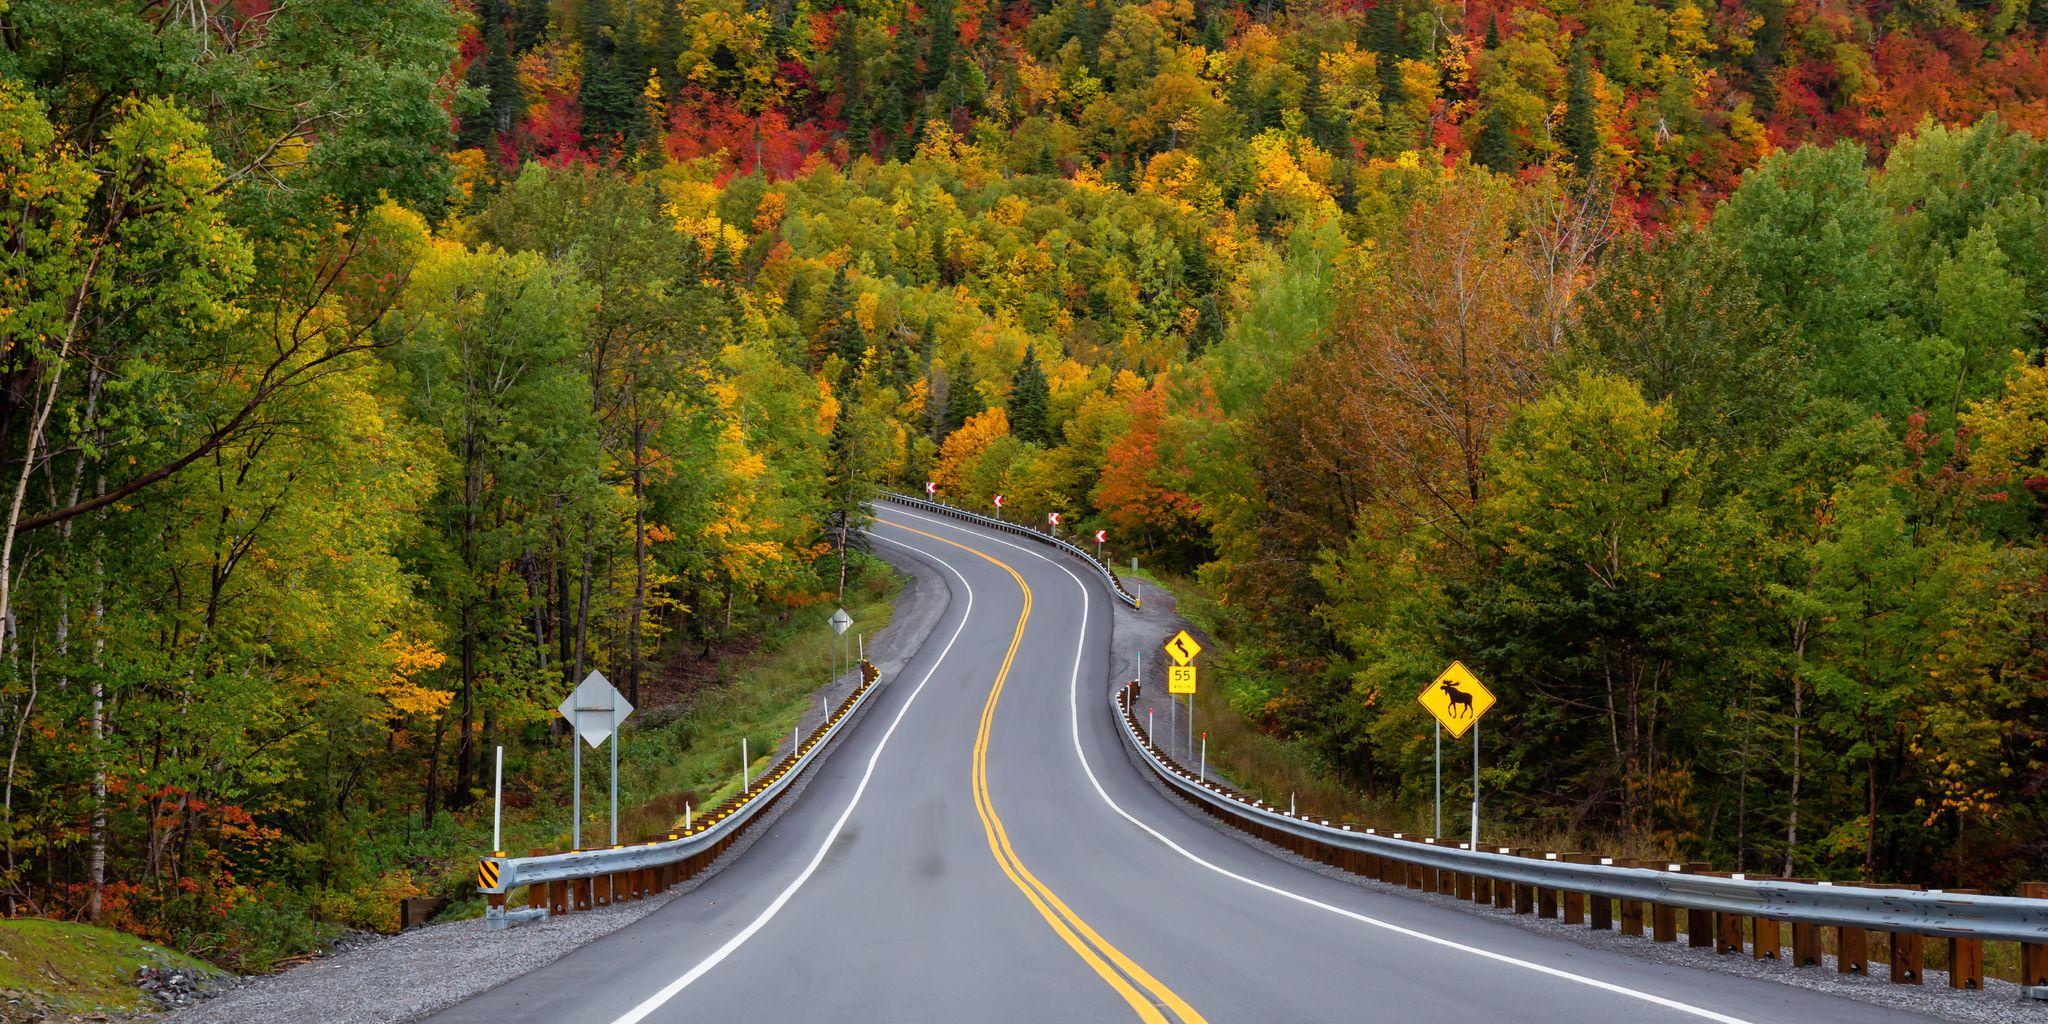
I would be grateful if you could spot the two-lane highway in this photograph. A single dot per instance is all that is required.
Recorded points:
(981, 848)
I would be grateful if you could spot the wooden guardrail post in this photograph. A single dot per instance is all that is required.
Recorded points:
(1767, 938)
(1724, 930)
(2034, 955)
(1728, 939)
(1908, 957)
(1699, 924)
(1574, 902)
(1503, 890)
(1546, 897)
(1908, 951)
(1525, 894)
(1765, 933)
(537, 893)
(1805, 944)
(1664, 916)
(1852, 951)
(1965, 956)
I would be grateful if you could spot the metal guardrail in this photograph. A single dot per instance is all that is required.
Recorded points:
(1931, 913)
(638, 869)
(1116, 586)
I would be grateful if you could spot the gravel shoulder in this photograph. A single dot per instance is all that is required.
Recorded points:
(1138, 635)
(404, 977)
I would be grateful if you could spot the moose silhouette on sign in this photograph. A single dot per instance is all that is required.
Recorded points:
(1458, 699)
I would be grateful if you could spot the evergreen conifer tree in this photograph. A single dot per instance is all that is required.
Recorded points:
(1029, 401)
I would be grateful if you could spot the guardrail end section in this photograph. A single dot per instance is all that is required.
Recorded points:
(489, 875)
(498, 919)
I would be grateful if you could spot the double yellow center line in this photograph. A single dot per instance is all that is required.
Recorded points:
(1126, 977)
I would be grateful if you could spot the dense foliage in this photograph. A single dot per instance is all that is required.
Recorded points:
(375, 369)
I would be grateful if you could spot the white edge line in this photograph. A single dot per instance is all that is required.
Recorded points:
(673, 988)
(1073, 707)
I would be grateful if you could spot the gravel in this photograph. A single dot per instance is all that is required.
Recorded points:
(1142, 631)
(397, 978)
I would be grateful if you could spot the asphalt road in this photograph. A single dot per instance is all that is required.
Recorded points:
(980, 848)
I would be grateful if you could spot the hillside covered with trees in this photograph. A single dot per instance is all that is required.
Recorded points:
(374, 370)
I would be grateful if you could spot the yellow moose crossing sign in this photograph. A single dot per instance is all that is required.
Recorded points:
(1458, 699)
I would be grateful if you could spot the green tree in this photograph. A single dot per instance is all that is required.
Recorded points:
(1681, 317)
(1027, 404)
(963, 399)
(1603, 557)
(491, 359)
(1580, 133)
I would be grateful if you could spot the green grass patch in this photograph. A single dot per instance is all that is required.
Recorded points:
(61, 967)
(670, 757)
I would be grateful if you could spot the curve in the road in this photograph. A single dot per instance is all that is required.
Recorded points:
(1074, 709)
(673, 988)
(1067, 922)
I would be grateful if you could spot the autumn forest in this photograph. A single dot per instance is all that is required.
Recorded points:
(373, 371)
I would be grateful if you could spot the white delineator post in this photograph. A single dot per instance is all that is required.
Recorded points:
(615, 787)
(498, 805)
(744, 781)
(1205, 757)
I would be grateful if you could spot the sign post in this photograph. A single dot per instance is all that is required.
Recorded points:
(840, 623)
(595, 710)
(1180, 676)
(497, 803)
(1457, 700)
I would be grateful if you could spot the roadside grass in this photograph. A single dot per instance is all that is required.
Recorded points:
(679, 756)
(60, 967)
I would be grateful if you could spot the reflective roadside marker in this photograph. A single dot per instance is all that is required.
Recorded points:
(1101, 536)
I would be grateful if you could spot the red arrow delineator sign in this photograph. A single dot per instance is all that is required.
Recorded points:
(1052, 518)
(999, 501)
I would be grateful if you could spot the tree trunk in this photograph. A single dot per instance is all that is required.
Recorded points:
(583, 602)
(639, 564)
(430, 804)
(7, 799)
(1798, 727)
(565, 627)
(472, 498)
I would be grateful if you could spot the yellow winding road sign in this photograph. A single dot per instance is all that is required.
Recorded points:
(1183, 648)
(1458, 699)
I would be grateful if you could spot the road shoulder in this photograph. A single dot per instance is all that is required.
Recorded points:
(405, 977)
